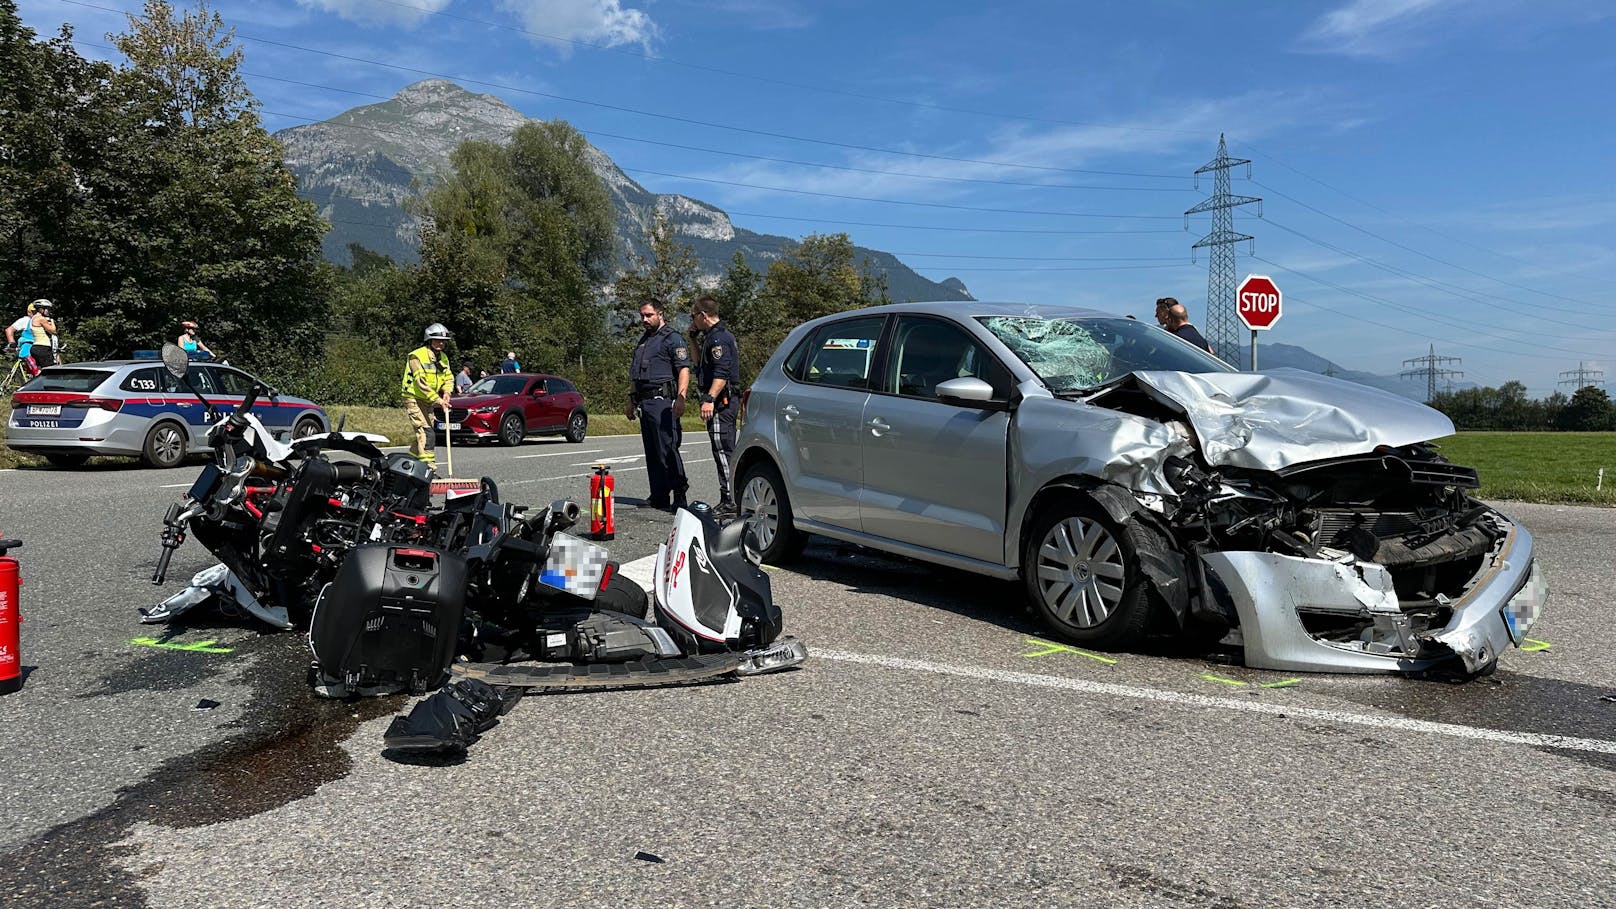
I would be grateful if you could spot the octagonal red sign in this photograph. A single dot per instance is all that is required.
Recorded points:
(1258, 302)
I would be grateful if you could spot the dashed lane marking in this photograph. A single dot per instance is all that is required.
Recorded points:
(1187, 699)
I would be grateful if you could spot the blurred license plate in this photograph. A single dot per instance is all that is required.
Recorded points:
(451, 426)
(44, 410)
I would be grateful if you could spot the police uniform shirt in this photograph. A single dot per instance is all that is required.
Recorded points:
(657, 360)
(719, 360)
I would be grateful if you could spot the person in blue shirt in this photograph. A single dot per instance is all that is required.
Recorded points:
(717, 372)
(509, 364)
(659, 377)
(190, 340)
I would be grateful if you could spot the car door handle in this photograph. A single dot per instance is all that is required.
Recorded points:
(789, 412)
(878, 426)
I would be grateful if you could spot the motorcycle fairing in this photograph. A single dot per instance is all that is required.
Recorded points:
(218, 581)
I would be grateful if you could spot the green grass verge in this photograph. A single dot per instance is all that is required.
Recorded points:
(1539, 466)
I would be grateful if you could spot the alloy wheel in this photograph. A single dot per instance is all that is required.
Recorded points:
(760, 499)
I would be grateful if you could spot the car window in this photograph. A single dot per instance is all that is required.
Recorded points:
(558, 386)
(57, 379)
(144, 380)
(841, 353)
(1077, 354)
(229, 382)
(499, 385)
(928, 352)
(201, 379)
(538, 388)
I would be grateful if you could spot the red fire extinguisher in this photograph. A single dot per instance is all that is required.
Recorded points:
(10, 618)
(602, 524)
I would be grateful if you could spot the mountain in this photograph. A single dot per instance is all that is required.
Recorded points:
(1276, 356)
(361, 165)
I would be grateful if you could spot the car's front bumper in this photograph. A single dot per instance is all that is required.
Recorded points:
(1267, 590)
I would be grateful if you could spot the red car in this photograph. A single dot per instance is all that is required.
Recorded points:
(512, 406)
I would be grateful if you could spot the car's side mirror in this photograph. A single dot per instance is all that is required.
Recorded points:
(969, 391)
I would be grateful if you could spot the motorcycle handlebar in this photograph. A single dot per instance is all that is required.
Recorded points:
(161, 574)
(239, 418)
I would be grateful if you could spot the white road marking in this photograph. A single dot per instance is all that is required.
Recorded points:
(624, 459)
(557, 454)
(176, 486)
(1454, 730)
(640, 571)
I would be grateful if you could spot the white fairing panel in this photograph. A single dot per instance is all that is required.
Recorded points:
(681, 565)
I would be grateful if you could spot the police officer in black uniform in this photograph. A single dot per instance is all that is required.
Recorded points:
(717, 372)
(660, 379)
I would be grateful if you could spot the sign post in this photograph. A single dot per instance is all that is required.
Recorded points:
(1258, 303)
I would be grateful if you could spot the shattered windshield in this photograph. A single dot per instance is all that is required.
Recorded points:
(1077, 354)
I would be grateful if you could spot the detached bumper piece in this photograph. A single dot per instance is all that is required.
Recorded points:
(1272, 593)
(786, 653)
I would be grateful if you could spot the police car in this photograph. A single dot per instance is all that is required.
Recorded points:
(136, 408)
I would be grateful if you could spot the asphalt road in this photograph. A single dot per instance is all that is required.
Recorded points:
(932, 752)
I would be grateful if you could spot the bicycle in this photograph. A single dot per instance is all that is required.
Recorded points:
(17, 376)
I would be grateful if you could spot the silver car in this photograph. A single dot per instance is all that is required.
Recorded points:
(136, 408)
(1137, 485)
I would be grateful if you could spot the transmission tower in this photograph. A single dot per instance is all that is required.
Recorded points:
(1222, 324)
(1432, 367)
(1582, 377)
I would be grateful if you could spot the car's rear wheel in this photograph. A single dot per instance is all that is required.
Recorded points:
(305, 427)
(764, 499)
(577, 426)
(165, 446)
(67, 460)
(1082, 573)
(512, 430)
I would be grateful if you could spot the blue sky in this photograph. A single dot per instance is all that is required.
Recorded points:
(1434, 171)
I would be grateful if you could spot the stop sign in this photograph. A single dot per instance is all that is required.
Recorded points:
(1258, 302)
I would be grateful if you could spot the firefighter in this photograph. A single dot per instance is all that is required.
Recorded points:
(717, 372)
(659, 378)
(428, 379)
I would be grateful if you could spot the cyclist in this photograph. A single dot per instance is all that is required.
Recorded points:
(42, 344)
(190, 341)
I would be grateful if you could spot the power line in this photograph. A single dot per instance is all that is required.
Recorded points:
(1431, 366)
(1221, 319)
(1583, 376)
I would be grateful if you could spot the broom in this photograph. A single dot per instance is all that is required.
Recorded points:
(448, 484)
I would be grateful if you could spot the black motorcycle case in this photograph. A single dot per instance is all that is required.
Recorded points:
(390, 618)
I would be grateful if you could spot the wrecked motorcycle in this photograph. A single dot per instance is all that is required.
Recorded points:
(399, 591)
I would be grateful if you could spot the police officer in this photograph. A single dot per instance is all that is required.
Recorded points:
(659, 379)
(716, 374)
(427, 380)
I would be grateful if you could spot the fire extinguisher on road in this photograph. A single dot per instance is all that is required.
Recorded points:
(602, 523)
(10, 619)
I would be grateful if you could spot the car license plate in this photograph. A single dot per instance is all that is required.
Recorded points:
(452, 426)
(43, 424)
(44, 410)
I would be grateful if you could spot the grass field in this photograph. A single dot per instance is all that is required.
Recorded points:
(1539, 466)
(1526, 466)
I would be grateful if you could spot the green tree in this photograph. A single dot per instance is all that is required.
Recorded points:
(1590, 409)
(668, 274)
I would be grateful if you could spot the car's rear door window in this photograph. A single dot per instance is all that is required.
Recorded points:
(928, 351)
(842, 354)
(76, 380)
(230, 382)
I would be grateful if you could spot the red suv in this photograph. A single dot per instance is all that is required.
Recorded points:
(512, 406)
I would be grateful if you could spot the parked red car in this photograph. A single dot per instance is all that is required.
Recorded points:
(512, 406)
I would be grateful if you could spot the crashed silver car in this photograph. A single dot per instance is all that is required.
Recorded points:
(1137, 486)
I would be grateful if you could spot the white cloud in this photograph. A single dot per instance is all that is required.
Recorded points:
(379, 12)
(593, 21)
(1370, 28)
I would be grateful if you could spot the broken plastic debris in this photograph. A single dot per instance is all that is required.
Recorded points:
(649, 857)
(205, 704)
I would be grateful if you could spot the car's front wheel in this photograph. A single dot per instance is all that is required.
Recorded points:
(1082, 573)
(305, 427)
(512, 430)
(577, 426)
(764, 500)
(165, 446)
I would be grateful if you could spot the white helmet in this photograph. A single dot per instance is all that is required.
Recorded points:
(41, 304)
(436, 332)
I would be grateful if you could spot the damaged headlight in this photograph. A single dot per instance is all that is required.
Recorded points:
(782, 654)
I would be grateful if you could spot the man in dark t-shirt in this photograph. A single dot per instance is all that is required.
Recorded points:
(1172, 316)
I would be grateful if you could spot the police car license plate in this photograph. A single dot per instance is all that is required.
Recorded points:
(44, 410)
(451, 426)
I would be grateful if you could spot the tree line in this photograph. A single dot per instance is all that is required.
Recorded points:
(1507, 407)
(143, 194)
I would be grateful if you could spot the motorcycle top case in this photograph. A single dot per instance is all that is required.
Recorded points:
(391, 617)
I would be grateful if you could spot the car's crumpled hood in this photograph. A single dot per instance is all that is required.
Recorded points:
(1272, 420)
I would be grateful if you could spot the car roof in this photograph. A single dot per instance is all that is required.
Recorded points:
(967, 309)
(119, 364)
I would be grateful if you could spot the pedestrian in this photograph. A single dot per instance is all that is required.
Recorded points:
(41, 346)
(717, 371)
(190, 340)
(659, 378)
(482, 374)
(463, 378)
(427, 380)
(509, 364)
(1172, 316)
